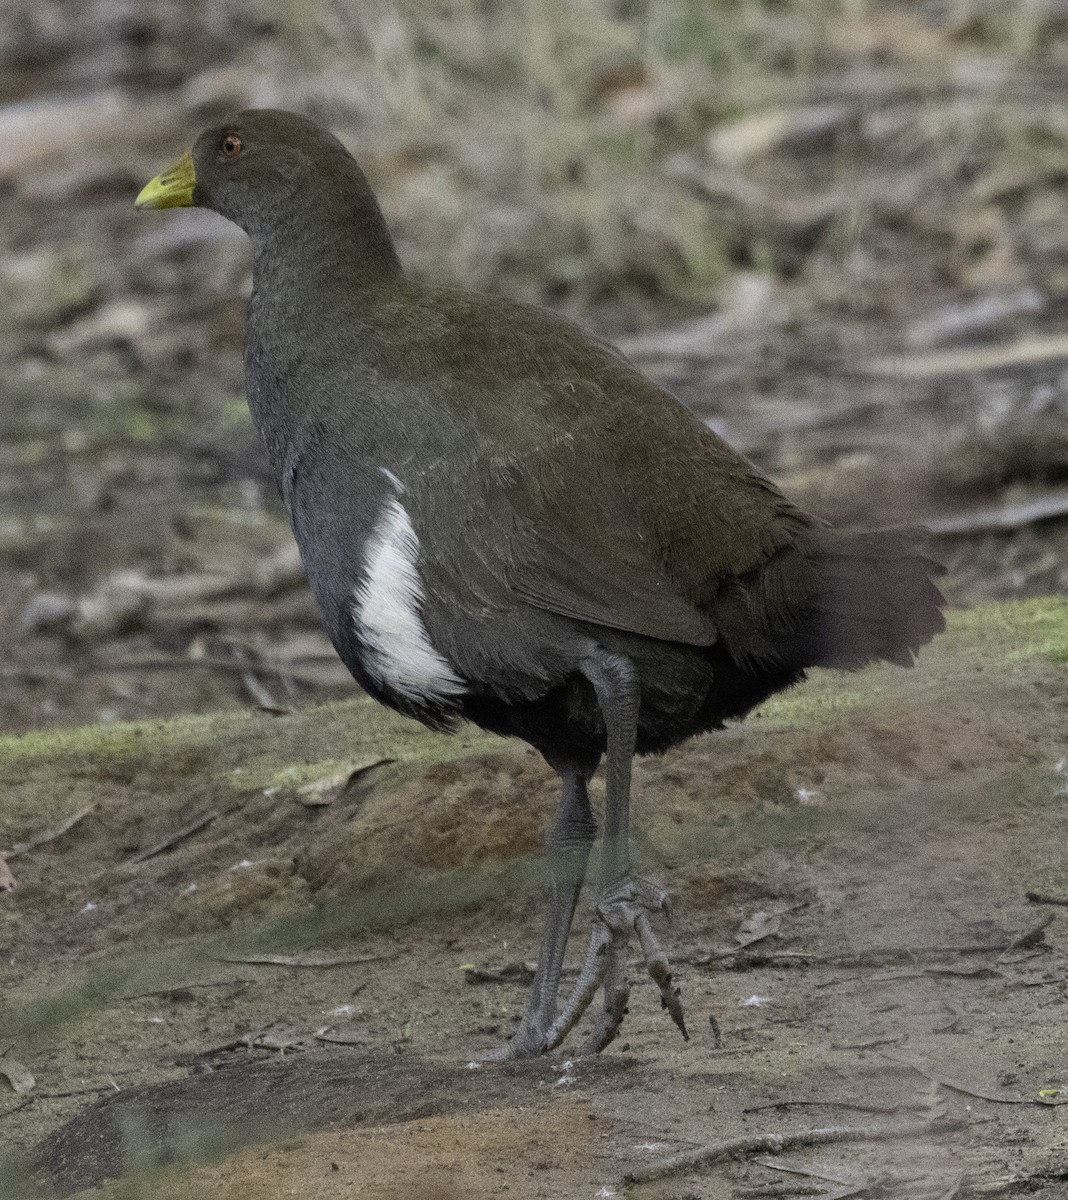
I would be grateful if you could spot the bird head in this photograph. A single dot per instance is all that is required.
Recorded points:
(262, 168)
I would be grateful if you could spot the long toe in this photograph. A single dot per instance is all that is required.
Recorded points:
(623, 909)
(530, 1040)
(628, 905)
(659, 968)
(592, 975)
(616, 994)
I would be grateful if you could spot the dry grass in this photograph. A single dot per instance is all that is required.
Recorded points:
(632, 155)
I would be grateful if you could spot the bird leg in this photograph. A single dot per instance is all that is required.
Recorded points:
(624, 903)
(567, 851)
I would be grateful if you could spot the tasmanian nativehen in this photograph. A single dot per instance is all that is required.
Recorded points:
(502, 520)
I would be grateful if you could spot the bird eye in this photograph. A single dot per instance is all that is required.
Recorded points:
(230, 146)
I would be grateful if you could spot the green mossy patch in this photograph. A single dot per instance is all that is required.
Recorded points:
(42, 773)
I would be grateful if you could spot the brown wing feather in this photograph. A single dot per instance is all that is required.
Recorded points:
(613, 504)
(631, 514)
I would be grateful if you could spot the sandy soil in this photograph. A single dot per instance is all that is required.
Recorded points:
(892, 823)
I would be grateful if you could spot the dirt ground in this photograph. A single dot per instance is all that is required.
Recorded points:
(281, 925)
(890, 826)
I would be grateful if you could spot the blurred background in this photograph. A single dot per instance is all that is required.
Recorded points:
(838, 229)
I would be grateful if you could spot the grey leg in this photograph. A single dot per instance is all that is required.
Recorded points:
(624, 903)
(616, 686)
(567, 851)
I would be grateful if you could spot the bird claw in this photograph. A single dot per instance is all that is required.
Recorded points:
(623, 909)
(530, 1040)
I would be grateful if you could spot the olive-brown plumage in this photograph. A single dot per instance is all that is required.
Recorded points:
(503, 520)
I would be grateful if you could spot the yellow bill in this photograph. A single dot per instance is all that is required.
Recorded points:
(172, 188)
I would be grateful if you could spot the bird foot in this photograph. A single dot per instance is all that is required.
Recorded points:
(623, 908)
(529, 1041)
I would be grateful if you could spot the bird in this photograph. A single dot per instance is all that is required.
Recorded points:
(503, 521)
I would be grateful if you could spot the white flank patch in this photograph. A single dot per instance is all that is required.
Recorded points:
(388, 617)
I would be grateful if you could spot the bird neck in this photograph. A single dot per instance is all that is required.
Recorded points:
(316, 273)
(337, 247)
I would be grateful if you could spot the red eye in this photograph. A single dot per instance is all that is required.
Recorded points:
(230, 146)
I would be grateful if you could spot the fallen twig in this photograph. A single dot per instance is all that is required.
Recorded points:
(264, 1040)
(888, 957)
(979, 1094)
(37, 674)
(302, 960)
(1001, 516)
(866, 1108)
(177, 663)
(1028, 937)
(1042, 898)
(771, 1191)
(966, 360)
(981, 971)
(884, 957)
(352, 1037)
(180, 835)
(7, 878)
(773, 1166)
(99, 1090)
(871, 1044)
(755, 928)
(513, 973)
(970, 317)
(50, 835)
(322, 792)
(275, 1042)
(753, 958)
(775, 1143)
(181, 987)
(262, 696)
(183, 1060)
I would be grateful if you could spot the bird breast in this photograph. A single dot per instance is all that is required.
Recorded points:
(388, 613)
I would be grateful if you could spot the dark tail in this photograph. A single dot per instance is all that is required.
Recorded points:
(876, 601)
(836, 599)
